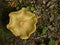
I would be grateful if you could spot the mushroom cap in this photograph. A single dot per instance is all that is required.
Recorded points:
(22, 23)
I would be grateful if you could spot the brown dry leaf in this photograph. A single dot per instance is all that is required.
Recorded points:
(12, 3)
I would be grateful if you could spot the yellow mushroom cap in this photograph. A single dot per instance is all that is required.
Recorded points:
(22, 23)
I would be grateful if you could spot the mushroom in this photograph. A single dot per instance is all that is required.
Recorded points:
(22, 23)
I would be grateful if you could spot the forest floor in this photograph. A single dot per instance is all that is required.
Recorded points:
(48, 26)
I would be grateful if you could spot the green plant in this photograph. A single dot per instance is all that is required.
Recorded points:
(44, 31)
(42, 44)
(17, 8)
(20, 1)
(30, 8)
(51, 42)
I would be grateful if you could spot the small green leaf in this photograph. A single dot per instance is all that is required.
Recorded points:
(42, 44)
(17, 8)
(32, 8)
(20, 1)
(44, 31)
(28, 8)
(51, 42)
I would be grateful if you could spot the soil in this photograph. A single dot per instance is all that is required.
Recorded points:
(49, 10)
